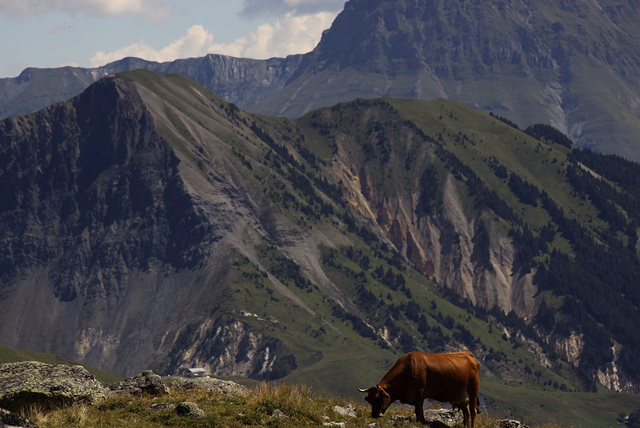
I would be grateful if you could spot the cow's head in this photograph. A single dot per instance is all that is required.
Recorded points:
(379, 400)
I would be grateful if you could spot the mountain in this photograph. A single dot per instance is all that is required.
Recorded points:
(148, 223)
(245, 81)
(573, 66)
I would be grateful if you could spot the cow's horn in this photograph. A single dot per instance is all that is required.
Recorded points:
(362, 390)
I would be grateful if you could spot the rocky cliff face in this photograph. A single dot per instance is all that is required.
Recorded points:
(98, 223)
(528, 61)
(448, 245)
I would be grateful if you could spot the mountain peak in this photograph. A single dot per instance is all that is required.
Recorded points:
(571, 65)
(529, 61)
(442, 36)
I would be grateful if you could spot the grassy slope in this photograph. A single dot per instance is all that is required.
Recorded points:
(580, 409)
(539, 163)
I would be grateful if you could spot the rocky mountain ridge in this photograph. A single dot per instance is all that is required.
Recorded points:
(573, 67)
(245, 81)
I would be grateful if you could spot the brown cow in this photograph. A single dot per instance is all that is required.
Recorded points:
(452, 378)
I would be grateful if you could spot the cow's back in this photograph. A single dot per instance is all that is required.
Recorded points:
(443, 377)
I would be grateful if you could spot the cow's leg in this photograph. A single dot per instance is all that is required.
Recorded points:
(473, 407)
(465, 415)
(420, 412)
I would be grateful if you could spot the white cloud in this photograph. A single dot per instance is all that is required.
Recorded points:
(289, 35)
(255, 8)
(197, 42)
(25, 8)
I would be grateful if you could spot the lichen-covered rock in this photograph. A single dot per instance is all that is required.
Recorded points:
(279, 414)
(347, 410)
(443, 417)
(156, 407)
(189, 410)
(217, 386)
(508, 423)
(146, 383)
(50, 386)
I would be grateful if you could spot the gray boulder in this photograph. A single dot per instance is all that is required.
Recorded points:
(347, 410)
(47, 386)
(508, 423)
(146, 383)
(279, 414)
(217, 386)
(189, 410)
(156, 407)
(443, 417)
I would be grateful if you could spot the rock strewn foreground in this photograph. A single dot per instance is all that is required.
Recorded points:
(47, 386)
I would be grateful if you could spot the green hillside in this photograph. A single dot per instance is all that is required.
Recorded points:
(11, 355)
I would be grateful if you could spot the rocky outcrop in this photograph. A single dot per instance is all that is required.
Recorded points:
(189, 410)
(24, 385)
(213, 385)
(47, 386)
(146, 383)
(442, 417)
(242, 352)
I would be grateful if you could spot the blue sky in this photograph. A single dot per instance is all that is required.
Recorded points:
(90, 33)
